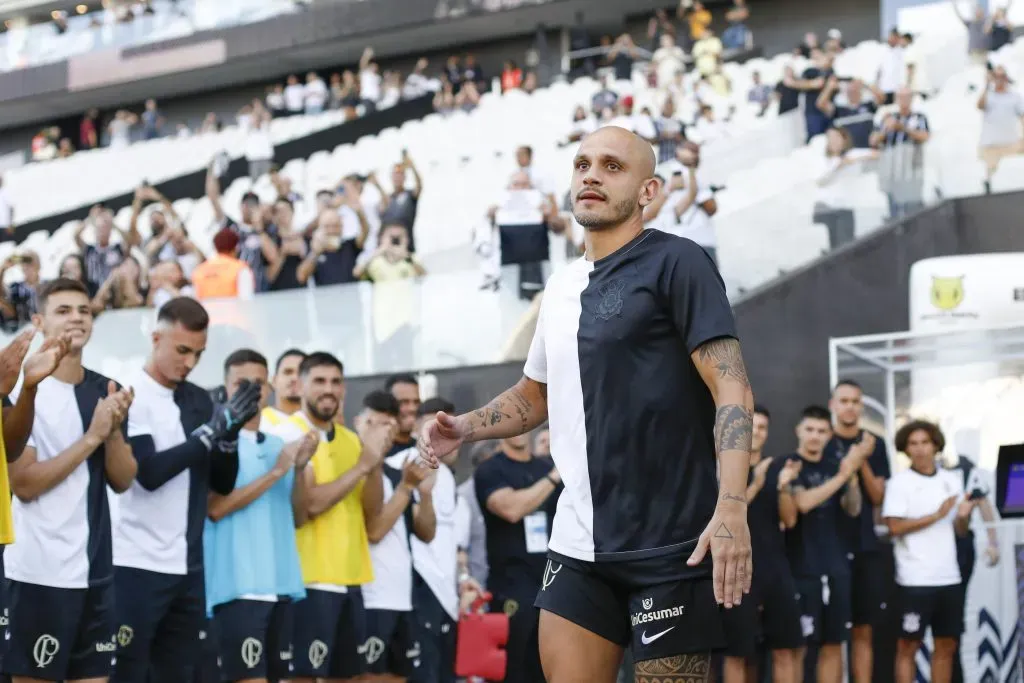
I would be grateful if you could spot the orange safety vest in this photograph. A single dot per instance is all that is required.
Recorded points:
(217, 277)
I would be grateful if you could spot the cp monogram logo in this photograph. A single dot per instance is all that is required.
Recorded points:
(549, 575)
(252, 650)
(45, 649)
(372, 649)
(317, 653)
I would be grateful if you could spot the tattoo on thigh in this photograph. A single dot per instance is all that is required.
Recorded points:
(678, 669)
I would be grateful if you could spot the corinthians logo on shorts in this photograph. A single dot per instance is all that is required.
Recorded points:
(638, 618)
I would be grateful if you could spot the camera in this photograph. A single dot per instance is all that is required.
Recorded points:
(396, 241)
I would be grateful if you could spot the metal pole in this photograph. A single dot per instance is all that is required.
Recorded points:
(833, 364)
(890, 413)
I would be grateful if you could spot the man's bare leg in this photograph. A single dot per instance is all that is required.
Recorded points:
(678, 669)
(861, 649)
(572, 654)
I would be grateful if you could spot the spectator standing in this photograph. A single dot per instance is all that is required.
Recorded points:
(835, 203)
(901, 136)
(407, 514)
(978, 40)
(697, 17)
(418, 83)
(152, 121)
(184, 451)
(511, 76)
(917, 69)
(872, 568)
(120, 128)
(392, 260)
(88, 138)
(224, 276)
(73, 268)
(20, 302)
(167, 281)
(369, 81)
(259, 146)
(850, 109)
(124, 288)
(760, 94)
(294, 96)
(292, 248)
(691, 202)
(671, 131)
(999, 28)
(65, 149)
(316, 94)
(518, 494)
(737, 36)
(345, 486)
(811, 83)
(582, 124)
(275, 100)
(473, 73)
(1002, 112)
(252, 567)
(621, 57)
(101, 257)
(400, 206)
(893, 72)
(335, 246)
(785, 92)
(925, 510)
(825, 493)
(60, 595)
(667, 60)
(256, 246)
(707, 53)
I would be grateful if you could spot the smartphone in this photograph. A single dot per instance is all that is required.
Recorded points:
(396, 241)
(976, 494)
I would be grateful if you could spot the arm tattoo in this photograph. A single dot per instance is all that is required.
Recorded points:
(511, 405)
(678, 669)
(724, 355)
(735, 499)
(734, 426)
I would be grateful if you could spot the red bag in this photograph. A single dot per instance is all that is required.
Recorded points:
(480, 648)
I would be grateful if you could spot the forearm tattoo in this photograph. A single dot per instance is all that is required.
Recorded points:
(734, 425)
(678, 669)
(511, 406)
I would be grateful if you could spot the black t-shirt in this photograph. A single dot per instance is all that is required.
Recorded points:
(603, 99)
(859, 120)
(288, 276)
(335, 267)
(789, 99)
(401, 210)
(860, 532)
(250, 251)
(513, 570)
(768, 541)
(623, 66)
(816, 545)
(811, 96)
(101, 261)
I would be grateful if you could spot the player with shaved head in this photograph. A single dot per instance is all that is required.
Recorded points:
(636, 366)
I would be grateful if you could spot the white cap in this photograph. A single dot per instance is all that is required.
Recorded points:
(835, 34)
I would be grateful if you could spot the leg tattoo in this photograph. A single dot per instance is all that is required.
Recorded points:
(678, 669)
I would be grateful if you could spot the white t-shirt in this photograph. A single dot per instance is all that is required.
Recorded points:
(6, 210)
(892, 74)
(391, 588)
(695, 223)
(316, 94)
(369, 85)
(1000, 123)
(258, 145)
(668, 61)
(836, 193)
(295, 97)
(926, 557)
(275, 101)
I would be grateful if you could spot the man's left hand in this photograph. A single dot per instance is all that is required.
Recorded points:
(728, 539)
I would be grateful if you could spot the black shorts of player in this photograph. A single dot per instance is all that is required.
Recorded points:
(742, 629)
(435, 632)
(939, 607)
(825, 609)
(873, 584)
(254, 639)
(391, 646)
(523, 648)
(60, 634)
(629, 603)
(779, 606)
(329, 631)
(160, 620)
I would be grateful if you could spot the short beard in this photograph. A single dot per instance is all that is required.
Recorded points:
(623, 210)
(316, 414)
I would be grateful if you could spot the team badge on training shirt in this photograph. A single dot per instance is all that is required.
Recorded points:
(611, 299)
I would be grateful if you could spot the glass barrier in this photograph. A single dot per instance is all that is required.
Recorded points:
(438, 321)
(41, 43)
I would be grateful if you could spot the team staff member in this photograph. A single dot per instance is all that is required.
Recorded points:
(775, 605)
(252, 565)
(392, 650)
(287, 388)
(642, 509)
(224, 276)
(60, 573)
(925, 510)
(342, 487)
(406, 390)
(872, 567)
(518, 494)
(185, 449)
(825, 492)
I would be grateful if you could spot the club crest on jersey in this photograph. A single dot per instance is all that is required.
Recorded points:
(911, 622)
(611, 299)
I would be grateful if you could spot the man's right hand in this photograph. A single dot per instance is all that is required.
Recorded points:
(376, 437)
(11, 358)
(228, 419)
(439, 437)
(414, 472)
(103, 420)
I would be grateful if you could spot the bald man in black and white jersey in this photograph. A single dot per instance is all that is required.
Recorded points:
(636, 365)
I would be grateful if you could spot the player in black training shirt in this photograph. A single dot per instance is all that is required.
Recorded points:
(872, 568)
(826, 492)
(635, 363)
(774, 594)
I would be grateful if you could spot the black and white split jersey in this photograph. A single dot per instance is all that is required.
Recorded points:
(63, 536)
(631, 419)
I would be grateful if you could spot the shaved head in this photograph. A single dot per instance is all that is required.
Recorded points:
(613, 178)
